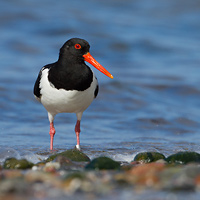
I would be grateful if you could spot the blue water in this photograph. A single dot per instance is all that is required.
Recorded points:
(152, 48)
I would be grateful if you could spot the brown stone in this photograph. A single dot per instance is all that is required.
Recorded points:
(146, 174)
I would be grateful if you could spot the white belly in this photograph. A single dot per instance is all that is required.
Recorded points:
(61, 101)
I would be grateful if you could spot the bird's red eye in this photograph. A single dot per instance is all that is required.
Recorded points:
(77, 46)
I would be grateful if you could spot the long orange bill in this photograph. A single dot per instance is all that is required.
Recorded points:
(92, 61)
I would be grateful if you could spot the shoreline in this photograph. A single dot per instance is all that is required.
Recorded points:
(100, 178)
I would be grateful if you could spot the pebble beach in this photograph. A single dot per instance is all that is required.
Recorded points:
(72, 175)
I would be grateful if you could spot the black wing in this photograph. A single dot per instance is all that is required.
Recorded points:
(36, 89)
(96, 90)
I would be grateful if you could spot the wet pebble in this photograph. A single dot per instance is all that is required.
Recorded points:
(72, 154)
(13, 186)
(184, 157)
(88, 181)
(103, 163)
(67, 164)
(67, 177)
(13, 163)
(146, 174)
(5, 174)
(51, 167)
(180, 178)
(147, 157)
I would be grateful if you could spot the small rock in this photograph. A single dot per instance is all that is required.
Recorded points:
(147, 157)
(35, 168)
(41, 177)
(51, 167)
(72, 154)
(103, 163)
(11, 174)
(128, 166)
(183, 157)
(13, 163)
(13, 186)
(146, 174)
(67, 164)
(179, 178)
(63, 160)
(76, 175)
(74, 181)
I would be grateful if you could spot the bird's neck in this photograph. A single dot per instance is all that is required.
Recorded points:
(68, 60)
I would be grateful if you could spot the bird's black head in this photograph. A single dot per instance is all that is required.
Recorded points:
(74, 49)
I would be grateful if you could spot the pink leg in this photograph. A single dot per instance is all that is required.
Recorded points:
(77, 131)
(52, 133)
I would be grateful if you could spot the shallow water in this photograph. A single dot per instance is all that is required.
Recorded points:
(152, 48)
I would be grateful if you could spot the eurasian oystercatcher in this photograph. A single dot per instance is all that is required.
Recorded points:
(68, 85)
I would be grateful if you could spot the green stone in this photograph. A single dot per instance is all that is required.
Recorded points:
(13, 163)
(76, 175)
(183, 157)
(103, 163)
(147, 157)
(72, 154)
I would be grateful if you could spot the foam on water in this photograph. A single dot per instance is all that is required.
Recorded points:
(20, 154)
(37, 157)
(124, 152)
(124, 157)
(8, 153)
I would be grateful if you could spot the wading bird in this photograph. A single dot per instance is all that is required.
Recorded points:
(68, 85)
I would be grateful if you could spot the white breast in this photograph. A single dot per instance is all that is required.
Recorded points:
(69, 101)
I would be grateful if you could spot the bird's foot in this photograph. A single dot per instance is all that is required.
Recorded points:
(78, 147)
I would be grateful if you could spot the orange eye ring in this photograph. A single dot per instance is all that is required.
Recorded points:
(77, 46)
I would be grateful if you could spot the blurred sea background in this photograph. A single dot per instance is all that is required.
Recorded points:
(152, 48)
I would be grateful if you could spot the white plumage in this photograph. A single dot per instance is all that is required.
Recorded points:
(65, 101)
